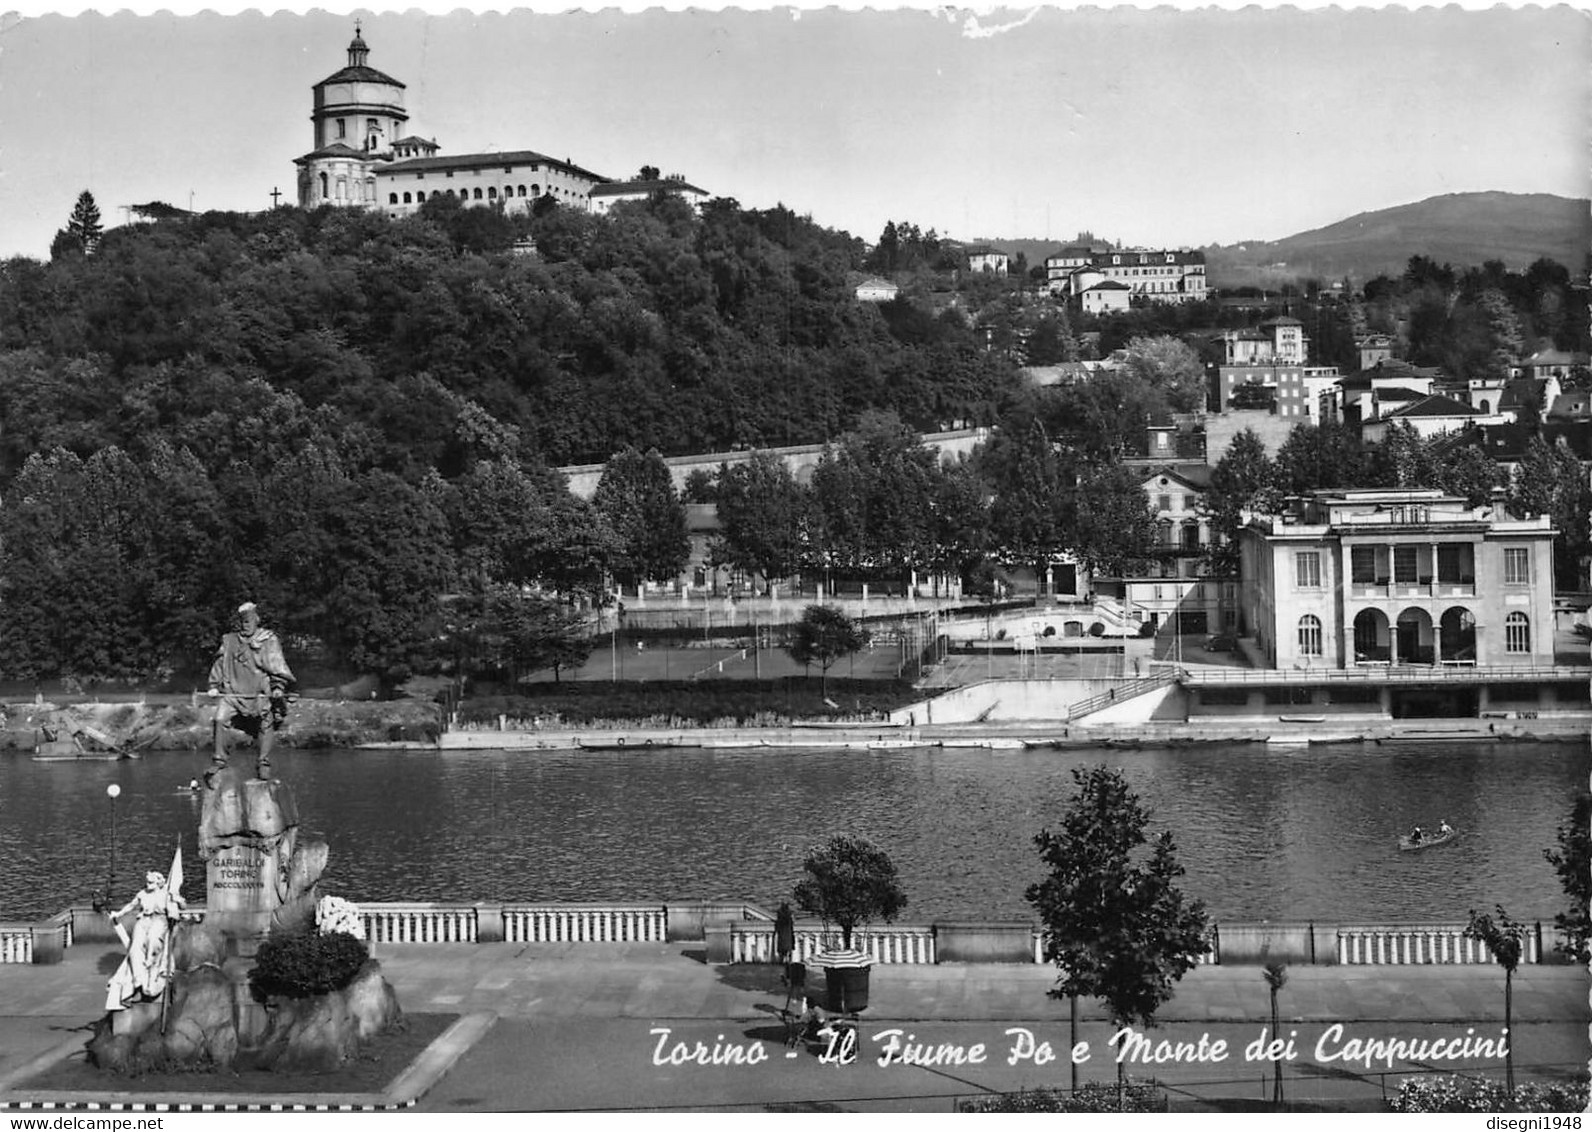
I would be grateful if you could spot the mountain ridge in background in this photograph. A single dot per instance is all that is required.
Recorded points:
(1464, 229)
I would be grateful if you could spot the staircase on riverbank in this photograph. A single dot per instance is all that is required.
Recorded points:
(1126, 690)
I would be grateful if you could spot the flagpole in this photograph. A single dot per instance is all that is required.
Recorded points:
(173, 894)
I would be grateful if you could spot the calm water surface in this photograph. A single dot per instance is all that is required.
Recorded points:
(1263, 834)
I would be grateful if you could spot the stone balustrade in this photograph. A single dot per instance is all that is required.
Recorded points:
(16, 943)
(753, 942)
(1423, 944)
(419, 923)
(740, 932)
(585, 923)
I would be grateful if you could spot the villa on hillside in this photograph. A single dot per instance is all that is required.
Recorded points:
(605, 196)
(875, 290)
(983, 258)
(1159, 276)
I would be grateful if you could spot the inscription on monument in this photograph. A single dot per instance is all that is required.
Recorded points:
(237, 868)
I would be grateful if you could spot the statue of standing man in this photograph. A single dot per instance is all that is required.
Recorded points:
(252, 679)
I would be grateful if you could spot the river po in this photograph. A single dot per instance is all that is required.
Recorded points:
(1307, 833)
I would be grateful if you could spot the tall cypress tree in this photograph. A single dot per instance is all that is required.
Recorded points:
(84, 225)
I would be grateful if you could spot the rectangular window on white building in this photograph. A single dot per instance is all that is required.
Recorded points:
(1404, 565)
(1517, 566)
(1307, 569)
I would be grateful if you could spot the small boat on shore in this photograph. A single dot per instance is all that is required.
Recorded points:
(1455, 736)
(55, 743)
(71, 749)
(624, 744)
(982, 744)
(1407, 845)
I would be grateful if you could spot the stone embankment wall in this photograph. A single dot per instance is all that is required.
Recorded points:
(182, 723)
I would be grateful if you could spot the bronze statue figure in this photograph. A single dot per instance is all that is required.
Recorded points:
(253, 681)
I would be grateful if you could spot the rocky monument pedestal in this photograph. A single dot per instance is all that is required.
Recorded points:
(260, 878)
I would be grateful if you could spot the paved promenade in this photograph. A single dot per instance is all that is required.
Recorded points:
(581, 1027)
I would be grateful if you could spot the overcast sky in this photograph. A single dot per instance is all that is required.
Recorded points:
(1159, 127)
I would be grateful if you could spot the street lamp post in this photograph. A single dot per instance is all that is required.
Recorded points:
(112, 791)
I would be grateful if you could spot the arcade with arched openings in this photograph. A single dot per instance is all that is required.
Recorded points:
(1413, 637)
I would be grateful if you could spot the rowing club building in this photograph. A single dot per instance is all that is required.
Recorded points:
(1409, 600)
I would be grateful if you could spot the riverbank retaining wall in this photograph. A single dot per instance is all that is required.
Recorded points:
(1033, 701)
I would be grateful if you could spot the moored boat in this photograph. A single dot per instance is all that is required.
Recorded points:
(624, 744)
(71, 749)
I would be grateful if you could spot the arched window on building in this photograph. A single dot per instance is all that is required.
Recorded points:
(478, 194)
(392, 198)
(326, 192)
(450, 192)
(1310, 635)
(406, 199)
(536, 190)
(491, 192)
(1517, 633)
(522, 190)
(342, 188)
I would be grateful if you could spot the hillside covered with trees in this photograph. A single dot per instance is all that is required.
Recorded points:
(344, 416)
(356, 422)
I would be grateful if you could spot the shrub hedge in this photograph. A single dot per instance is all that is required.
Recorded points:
(1097, 1096)
(683, 703)
(1454, 1093)
(301, 964)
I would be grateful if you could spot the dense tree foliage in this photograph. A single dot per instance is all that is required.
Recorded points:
(1473, 322)
(824, 635)
(351, 419)
(637, 498)
(1115, 922)
(1550, 481)
(1243, 480)
(345, 417)
(849, 881)
(762, 514)
(1573, 862)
